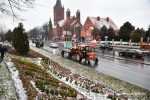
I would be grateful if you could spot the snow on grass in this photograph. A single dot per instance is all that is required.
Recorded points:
(33, 84)
(90, 95)
(17, 82)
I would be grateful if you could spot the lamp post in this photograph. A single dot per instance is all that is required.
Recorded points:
(106, 37)
(147, 40)
(141, 40)
(66, 33)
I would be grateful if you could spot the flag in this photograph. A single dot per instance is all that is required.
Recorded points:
(73, 40)
(74, 36)
(62, 37)
(93, 43)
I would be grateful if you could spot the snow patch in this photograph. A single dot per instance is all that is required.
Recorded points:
(17, 82)
(33, 84)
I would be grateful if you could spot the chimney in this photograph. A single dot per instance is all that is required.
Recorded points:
(98, 18)
(107, 19)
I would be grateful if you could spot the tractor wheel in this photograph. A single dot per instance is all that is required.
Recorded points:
(62, 53)
(96, 61)
(79, 58)
(87, 62)
(69, 56)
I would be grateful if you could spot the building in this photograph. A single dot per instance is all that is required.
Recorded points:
(98, 23)
(69, 26)
(64, 28)
(58, 12)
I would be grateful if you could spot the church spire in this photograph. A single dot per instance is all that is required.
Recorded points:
(50, 22)
(58, 4)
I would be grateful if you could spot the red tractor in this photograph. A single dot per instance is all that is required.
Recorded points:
(81, 52)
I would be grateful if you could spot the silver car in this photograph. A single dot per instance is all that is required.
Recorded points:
(53, 45)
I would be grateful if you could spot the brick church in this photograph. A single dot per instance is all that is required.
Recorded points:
(65, 25)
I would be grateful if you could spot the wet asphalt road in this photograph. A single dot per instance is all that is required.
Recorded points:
(132, 72)
(125, 69)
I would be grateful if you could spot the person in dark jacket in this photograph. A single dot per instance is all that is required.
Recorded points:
(3, 49)
(2, 53)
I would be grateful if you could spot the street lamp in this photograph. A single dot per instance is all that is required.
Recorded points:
(106, 37)
(66, 33)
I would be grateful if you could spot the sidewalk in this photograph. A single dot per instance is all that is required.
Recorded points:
(7, 89)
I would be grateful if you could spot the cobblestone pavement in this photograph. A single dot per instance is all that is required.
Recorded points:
(7, 89)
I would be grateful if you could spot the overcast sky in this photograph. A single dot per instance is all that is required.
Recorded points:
(135, 11)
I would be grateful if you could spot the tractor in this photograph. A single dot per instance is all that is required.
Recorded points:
(81, 52)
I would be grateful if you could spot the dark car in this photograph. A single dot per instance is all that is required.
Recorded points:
(134, 53)
(106, 47)
(39, 43)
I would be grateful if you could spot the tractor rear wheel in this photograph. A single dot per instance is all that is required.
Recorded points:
(79, 58)
(69, 56)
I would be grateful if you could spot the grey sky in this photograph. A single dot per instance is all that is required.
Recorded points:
(135, 11)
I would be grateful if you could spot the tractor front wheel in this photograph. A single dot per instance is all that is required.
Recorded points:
(96, 61)
(87, 62)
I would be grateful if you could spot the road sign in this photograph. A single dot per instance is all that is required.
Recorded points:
(68, 44)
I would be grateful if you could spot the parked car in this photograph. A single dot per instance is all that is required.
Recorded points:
(53, 45)
(106, 47)
(146, 52)
(134, 53)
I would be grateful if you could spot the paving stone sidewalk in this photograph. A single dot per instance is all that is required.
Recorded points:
(7, 89)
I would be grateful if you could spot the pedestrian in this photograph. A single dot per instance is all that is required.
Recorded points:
(2, 53)
(103, 51)
(113, 53)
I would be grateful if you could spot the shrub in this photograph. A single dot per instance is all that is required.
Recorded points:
(30, 73)
(67, 78)
(112, 97)
(40, 84)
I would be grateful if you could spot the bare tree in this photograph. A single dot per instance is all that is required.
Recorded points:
(12, 7)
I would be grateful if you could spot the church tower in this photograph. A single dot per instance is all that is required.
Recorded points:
(78, 15)
(68, 13)
(58, 12)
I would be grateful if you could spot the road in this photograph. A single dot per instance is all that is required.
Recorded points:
(132, 71)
